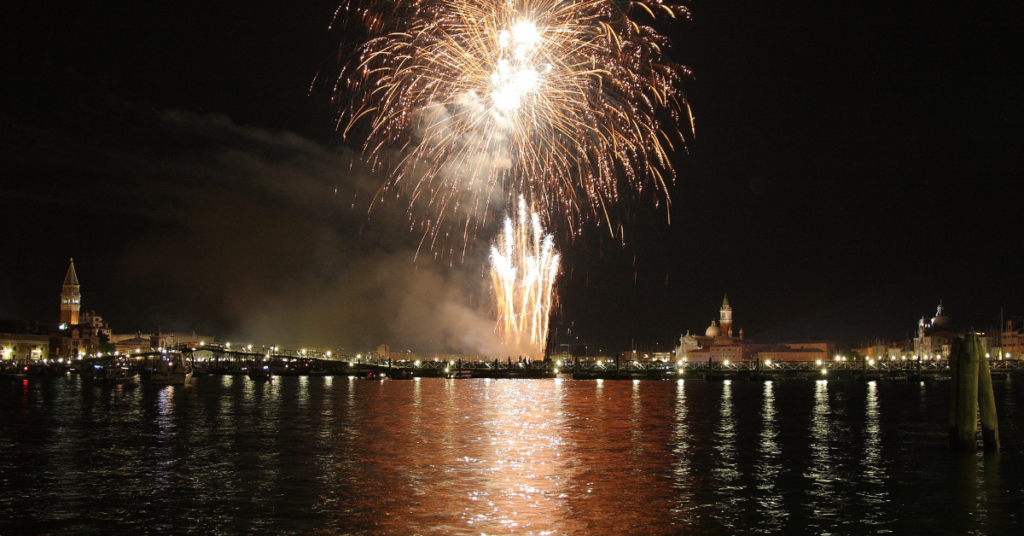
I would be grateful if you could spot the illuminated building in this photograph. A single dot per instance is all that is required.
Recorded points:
(717, 343)
(90, 318)
(23, 347)
(1013, 340)
(129, 342)
(935, 336)
(70, 297)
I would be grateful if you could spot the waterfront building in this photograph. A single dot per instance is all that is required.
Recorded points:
(717, 343)
(90, 318)
(1013, 340)
(784, 353)
(24, 347)
(74, 341)
(144, 342)
(887, 350)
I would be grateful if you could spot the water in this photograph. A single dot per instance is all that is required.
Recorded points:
(341, 455)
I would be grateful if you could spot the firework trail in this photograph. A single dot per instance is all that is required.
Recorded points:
(467, 104)
(524, 265)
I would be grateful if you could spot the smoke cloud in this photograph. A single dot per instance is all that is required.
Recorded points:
(254, 235)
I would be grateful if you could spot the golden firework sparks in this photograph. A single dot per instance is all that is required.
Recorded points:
(467, 104)
(524, 265)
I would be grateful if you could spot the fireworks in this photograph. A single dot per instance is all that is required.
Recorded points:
(524, 265)
(468, 104)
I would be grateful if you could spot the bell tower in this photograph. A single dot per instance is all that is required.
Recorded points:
(726, 317)
(70, 297)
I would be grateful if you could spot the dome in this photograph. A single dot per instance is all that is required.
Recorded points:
(713, 330)
(940, 320)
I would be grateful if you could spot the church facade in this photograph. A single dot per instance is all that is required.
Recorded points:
(722, 343)
(719, 343)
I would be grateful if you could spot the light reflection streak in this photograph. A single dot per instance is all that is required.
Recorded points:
(166, 439)
(769, 467)
(683, 480)
(636, 421)
(823, 505)
(730, 490)
(523, 475)
(303, 401)
(874, 471)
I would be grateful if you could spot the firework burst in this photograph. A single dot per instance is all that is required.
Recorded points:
(467, 104)
(524, 265)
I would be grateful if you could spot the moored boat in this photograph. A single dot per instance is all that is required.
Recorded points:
(17, 372)
(176, 372)
(260, 374)
(116, 375)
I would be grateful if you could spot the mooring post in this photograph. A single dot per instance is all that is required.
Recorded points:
(954, 390)
(986, 402)
(967, 397)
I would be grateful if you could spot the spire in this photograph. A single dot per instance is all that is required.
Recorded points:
(72, 277)
(725, 300)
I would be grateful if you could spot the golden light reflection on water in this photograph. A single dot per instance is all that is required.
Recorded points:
(523, 471)
(435, 456)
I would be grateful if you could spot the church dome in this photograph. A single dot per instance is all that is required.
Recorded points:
(713, 330)
(940, 320)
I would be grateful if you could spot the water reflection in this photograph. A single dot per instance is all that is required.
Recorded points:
(726, 470)
(769, 466)
(824, 503)
(681, 481)
(428, 456)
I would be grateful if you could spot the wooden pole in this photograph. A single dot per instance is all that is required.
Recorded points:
(955, 356)
(967, 397)
(987, 404)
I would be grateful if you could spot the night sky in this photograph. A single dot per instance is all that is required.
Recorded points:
(854, 163)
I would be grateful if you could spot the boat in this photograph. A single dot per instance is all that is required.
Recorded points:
(177, 372)
(116, 375)
(400, 374)
(17, 372)
(261, 374)
(94, 372)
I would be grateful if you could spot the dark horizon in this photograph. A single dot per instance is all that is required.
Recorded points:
(853, 165)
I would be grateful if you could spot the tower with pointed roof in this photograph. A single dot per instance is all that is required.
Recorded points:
(70, 297)
(726, 317)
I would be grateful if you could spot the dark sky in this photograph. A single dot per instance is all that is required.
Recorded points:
(854, 163)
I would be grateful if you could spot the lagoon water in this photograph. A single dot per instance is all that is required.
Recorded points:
(339, 455)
